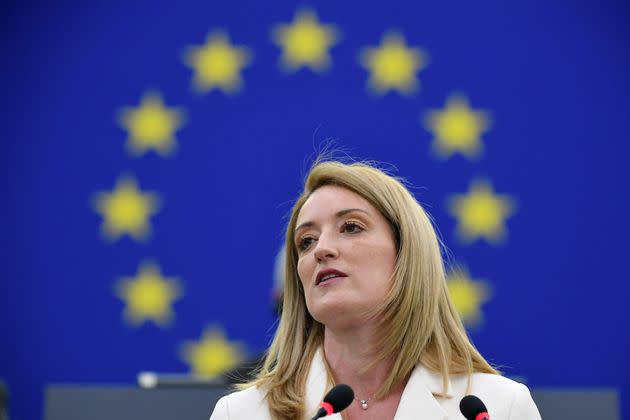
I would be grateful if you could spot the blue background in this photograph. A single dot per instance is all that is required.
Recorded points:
(553, 74)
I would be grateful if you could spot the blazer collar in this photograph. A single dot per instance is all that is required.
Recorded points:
(316, 386)
(417, 399)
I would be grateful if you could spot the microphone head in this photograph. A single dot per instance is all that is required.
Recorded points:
(339, 397)
(471, 407)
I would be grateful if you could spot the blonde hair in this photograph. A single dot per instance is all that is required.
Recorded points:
(418, 322)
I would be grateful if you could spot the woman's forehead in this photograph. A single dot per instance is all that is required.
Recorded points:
(329, 200)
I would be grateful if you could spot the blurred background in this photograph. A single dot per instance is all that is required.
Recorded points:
(151, 152)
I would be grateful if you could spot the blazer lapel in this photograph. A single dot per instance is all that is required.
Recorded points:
(316, 386)
(417, 401)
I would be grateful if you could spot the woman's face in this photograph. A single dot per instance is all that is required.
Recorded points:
(346, 254)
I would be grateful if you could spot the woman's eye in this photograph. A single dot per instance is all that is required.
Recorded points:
(351, 227)
(305, 243)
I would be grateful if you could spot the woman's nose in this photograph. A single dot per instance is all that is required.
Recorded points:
(325, 249)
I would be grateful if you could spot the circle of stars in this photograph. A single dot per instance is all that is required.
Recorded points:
(217, 64)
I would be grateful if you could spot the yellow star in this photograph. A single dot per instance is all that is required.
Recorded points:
(126, 210)
(467, 295)
(151, 126)
(393, 65)
(305, 42)
(217, 64)
(481, 213)
(148, 296)
(457, 128)
(213, 354)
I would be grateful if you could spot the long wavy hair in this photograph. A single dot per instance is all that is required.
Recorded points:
(417, 320)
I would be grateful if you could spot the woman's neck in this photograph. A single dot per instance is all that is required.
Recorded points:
(348, 352)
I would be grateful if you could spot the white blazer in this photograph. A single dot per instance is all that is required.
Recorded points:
(504, 398)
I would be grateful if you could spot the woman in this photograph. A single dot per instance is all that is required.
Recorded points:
(366, 304)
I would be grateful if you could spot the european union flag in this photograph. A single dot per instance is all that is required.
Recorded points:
(152, 151)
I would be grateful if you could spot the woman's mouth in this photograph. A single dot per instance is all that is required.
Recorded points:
(327, 276)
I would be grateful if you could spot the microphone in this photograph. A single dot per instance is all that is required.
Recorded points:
(337, 399)
(473, 408)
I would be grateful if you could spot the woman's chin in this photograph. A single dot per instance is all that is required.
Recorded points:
(334, 312)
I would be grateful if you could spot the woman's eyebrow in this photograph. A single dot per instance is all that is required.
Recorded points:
(339, 214)
(346, 211)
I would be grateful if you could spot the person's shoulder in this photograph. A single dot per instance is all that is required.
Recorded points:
(504, 397)
(247, 403)
(248, 395)
(495, 383)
